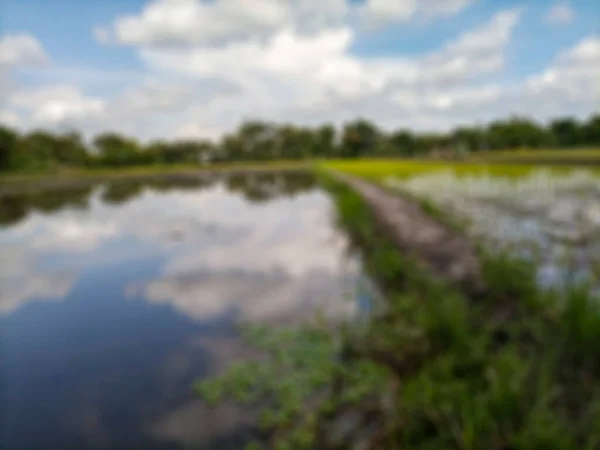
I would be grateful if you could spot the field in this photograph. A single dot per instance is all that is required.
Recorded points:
(434, 366)
(517, 368)
(549, 213)
(381, 168)
(72, 177)
(574, 156)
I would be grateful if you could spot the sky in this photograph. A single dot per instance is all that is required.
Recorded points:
(176, 69)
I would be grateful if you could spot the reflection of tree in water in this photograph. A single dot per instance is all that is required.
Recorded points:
(119, 193)
(14, 208)
(253, 187)
(262, 187)
(178, 182)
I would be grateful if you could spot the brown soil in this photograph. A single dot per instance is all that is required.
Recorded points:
(446, 253)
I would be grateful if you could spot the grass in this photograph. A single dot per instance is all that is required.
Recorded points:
(374, 169)
(519, 369)
(580, 154)
(380, 169)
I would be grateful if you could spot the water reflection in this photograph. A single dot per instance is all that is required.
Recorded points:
(115, 297)
(552, 217)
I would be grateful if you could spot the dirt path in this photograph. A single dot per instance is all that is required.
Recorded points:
(444, 252)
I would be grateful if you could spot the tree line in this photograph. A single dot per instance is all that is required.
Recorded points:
(262, 141)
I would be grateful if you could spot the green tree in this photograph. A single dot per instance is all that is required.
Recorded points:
(403, 143)
(258, 140)
(8, 148)
(325, 141)
(567, 132)
(591, 131)
(472, 138)
(37, 151)
(518, 132)
(116, 150)
(359, 138)
(70, 150)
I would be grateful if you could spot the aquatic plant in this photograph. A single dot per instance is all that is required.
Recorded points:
(515, 369)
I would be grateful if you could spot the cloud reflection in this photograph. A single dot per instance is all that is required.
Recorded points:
(222, 252)
(21, 281)
(544, 215)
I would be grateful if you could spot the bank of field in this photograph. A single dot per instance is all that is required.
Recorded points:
(517, 367)
(27, 181)
(378, 169)
(584, 156)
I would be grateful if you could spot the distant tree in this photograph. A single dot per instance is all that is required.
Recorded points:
(70, 149)
(117, 150)
(518, 132)
(325, 141)
(154, 152)
(591, 131)
(258, 140)
(472, 138)
(567, 132)
(232, 148)
(8, 148)
(359, 138)
(37, 150)
(403, 143)
(426, 143)
(291, 142)
(187, 151)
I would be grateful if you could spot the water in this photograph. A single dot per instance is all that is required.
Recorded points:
(549, 217)
(116, 297)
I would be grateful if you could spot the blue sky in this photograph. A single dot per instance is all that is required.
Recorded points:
(178, 68)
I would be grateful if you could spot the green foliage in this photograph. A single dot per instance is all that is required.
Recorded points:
(8, 143)
(581, 321)
(292, 382)
(266, 141)
(359, 138)
(518, 369)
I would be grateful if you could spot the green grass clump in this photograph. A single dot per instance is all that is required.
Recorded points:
(381, 169)
(517, 369)
(582, 155)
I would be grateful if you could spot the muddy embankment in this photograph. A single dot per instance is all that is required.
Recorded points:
(445, 252)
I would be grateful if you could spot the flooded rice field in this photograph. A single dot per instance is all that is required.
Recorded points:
(549, 217)
(116, 297)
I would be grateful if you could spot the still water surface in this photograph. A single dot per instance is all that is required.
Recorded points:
(116, 297)
(548, 216)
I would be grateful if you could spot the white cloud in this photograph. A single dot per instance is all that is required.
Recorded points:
(381, 12)
(573, 77)
(288, 75)
(194, 130)
(193, 22)
(22, 281)
(10, 118)
(167, 23)
(291, 75)
(489, 37)
(255, 296)
(21, 49)
(560, 13)
(53, 105)
(378, 11)
(266, 260)
(309, 73)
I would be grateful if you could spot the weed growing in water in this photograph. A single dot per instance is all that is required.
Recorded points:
(518, 369)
